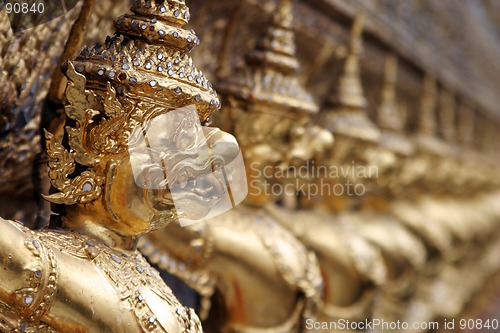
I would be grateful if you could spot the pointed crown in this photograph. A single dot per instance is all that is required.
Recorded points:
(447, 110)
(345, 113)
(350, 91)
(270, 74)
(142, 71)
(427, 115)
(388, 115)
(148, 58)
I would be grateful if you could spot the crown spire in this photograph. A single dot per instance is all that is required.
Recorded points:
(270, 76)
(175, 12)
(346, 113)
(388, 115)
(427, 115)
(447, 108)
(277, 47)
(426, 132)
(148, 58)
(351, 92)
(466, 123)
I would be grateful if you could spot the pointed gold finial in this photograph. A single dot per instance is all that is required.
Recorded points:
(277, 47)
(345, 113)
(466, 123)
(485, 134)
(270, 76)
(148, 59)
(427, 116)
(426, 132)
(388, 116)
(351, 92)
(447, 108)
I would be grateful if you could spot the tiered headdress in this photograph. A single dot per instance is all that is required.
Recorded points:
(142, 71)
(270, 76)
(148, 57)
(426, 131)
(345, 113)
(389, 116)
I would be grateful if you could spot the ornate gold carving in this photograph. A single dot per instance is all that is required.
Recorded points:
(388, 113)
(137, 288)
(127, 272)
(390, 117)
(345, 112)
(146, 71)
(150, 57)
(447, 110)
(84, 188)
(427, 113)
(26, 64)
(196, 275)
(270, 77)
(350, 89)
(150, 77)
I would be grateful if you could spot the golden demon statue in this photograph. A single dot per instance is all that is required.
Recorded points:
(379, 151)
(270, 113)
(264, 277)
(278, 103)
(109, 189)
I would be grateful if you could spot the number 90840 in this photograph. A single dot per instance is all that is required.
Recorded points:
(26, 14)
(20, 7)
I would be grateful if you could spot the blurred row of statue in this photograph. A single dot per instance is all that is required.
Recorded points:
(380, 202)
